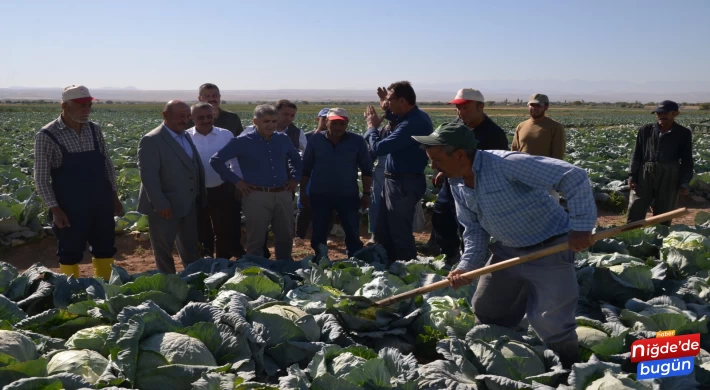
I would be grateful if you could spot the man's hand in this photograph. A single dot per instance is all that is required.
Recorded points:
(365, 200)
(243, 188)
(305, 200)
(117, 205)
(60, 218)
(579, 241)
(632, 185)
(438, 180)
(291, 185)
(166, 213)
(372, 119)
(456, 280)
(382, 94)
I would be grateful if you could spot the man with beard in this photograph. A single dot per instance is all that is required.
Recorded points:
(209, 93)
(504, 195)
(540, 135)
(172, 187)
(661, 164)
(81, 195)
(445, 228)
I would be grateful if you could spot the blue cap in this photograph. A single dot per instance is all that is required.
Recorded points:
(323, 112)
(666, 106)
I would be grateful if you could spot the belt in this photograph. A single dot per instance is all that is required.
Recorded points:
(545, 242)
(402, 175)
(268, 189)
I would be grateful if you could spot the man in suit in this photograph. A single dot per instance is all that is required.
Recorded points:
(172, 187)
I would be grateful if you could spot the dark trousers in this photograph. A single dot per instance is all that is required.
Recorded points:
(395, 217)
(236, 241)
(446, 228)
(94, 225)
(237, 247)
(347, 208)
(217, 218)
(304, 217)
(657, 185)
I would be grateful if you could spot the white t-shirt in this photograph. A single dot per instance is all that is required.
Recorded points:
(207, 146)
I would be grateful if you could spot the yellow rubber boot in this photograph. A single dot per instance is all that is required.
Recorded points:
(102, 267)
(69, 270)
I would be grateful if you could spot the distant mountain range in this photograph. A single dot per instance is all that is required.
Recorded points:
(557, 90)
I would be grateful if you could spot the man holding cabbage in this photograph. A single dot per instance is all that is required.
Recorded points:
(505, 195)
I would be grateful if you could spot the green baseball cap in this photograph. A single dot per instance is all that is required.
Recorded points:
(451, 134)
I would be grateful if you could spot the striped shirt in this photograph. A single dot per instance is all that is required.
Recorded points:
(510, 201)
(48, 155)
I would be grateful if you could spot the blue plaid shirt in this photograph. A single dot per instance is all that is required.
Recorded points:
(510, 201)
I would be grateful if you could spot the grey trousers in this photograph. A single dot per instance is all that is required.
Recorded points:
(165, 234)
(395, 216)
(546, 289)
(262, 209)
(657, 185)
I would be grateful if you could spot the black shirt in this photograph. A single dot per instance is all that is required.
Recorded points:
(673, 146)
(489, 135)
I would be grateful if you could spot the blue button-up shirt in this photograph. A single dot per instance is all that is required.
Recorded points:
(181, 139)
(262, 162)
(333, 168)
(510, 201)
(404, 154)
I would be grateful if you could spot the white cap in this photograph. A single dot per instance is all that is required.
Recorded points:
(337, 113)
(77, 92)
(467, 95)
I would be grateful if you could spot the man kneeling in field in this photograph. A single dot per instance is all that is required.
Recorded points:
(505, 195)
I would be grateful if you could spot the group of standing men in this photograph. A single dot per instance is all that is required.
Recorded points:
(202, 177)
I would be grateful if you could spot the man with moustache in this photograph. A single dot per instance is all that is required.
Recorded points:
(217, 216)
(329, 183)
(504, 195)
(209, 93)
(661, 164)
(303, 214)
(470, 105)
(172, 187)
(266, 187)
(540, 135)
(76, 180)
(405, 183)
(286, 114)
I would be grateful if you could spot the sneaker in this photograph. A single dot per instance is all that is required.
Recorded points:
(298, 241)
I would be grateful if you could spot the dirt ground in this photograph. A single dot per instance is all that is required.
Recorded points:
(136, 256)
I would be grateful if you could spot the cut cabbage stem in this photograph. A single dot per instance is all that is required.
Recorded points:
(535, 255)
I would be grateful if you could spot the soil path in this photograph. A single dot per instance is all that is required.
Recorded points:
(136, 256)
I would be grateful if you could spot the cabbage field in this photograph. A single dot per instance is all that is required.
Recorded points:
(310, 324)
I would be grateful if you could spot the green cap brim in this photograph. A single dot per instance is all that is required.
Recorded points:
(427, 140)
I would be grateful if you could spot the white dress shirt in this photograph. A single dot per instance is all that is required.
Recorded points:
(207, 146)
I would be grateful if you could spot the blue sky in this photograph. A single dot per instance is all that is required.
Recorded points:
(356, 44)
